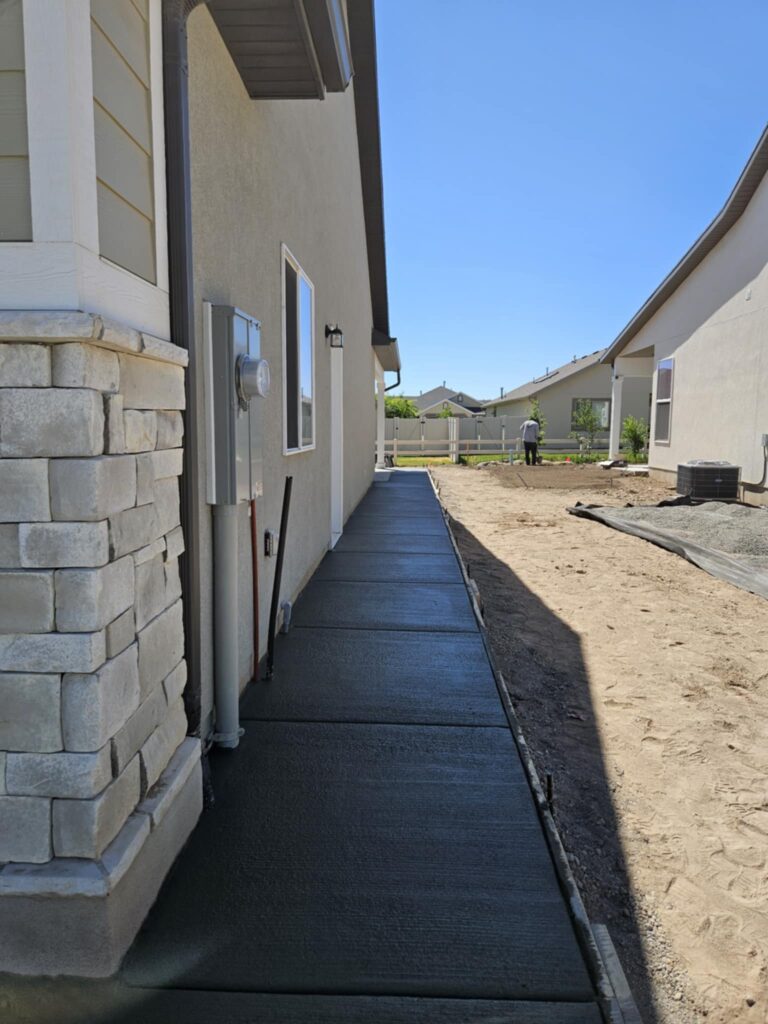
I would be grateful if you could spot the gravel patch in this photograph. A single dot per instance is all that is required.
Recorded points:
(736, 530)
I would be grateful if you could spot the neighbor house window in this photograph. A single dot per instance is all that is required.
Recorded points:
(15, 206)
(123, 128)
(298, 356)
(600, 406)
(664, 375)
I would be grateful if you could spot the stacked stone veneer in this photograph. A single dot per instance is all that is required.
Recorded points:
(91, 637)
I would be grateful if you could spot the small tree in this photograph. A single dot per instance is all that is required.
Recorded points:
(535, 413)
(445, 414)
(401, 407)
(586, 423)
(634, 434)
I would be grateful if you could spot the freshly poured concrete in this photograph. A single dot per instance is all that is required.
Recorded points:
(373, 852)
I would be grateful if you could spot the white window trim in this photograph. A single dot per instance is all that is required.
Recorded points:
(665, 441)
(61, 268)
(286, 256)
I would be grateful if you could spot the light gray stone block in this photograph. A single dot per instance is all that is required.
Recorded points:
(87, 600)
(174, 683)
(161, 647)
(162, 745)
(172, 581)
(99, 930)
(40, 422)
(73, 776)
(167, 462)
(84, 828)
(164, 350)
(94, 707)
(25, 366)
(145, 478)
(59, 877)
(30, 712)
(26, 601)
(174, 543)
(10, 556)
(112, 334)
(24, 494)
(167, 504)
(139, 727)
(120, 633)
(134, 529)
(52, 652)
(161, 797)
(157, 547)
(85, 366)
(149, 384)
(48, 324)
(139, 430)
(64, 545)
(114, 425)
(125, 847)
(150, 590)
(25, 829)
(92, 489)
(170, 429)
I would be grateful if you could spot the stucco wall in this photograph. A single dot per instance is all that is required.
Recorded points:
(267, 173)
(556, 400)
(716, 328)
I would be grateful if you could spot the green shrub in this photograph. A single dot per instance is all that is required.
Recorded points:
(634, 434)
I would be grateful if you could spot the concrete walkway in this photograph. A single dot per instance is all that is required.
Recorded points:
(374, 852)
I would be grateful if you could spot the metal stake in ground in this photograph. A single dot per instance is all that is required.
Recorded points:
(278, 576)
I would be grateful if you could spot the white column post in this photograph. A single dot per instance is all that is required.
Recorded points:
(380, 421)
(453, 437)
(614, 443)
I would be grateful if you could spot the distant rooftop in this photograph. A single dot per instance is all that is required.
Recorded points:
(436, 396)
(546, 380)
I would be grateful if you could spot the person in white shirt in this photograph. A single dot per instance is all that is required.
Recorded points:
(530, 435)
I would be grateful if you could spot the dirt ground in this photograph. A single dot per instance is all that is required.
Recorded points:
(642, 687)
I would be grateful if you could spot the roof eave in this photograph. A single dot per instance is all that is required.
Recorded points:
(734, 207)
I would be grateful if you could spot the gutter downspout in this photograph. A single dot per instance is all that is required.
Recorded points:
(396, 384)
(181, 287)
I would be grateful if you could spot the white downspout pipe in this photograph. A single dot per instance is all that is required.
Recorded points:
(225, 624)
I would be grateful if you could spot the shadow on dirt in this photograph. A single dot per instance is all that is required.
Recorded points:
(542, 661)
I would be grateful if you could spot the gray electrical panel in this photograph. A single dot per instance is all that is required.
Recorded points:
(237, 381)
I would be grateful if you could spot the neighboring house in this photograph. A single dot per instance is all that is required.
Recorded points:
(559, 391)
(120, 421)
(436, 401)
(701, 341)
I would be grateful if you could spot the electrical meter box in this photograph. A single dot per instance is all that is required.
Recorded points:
(237, 381)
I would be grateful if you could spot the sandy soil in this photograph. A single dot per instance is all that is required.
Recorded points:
(642, 686)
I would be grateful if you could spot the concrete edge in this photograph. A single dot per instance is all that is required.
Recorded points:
(43, 326)
(90, 912)
(606, 997)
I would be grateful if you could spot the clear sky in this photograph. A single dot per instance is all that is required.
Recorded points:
(545, 166)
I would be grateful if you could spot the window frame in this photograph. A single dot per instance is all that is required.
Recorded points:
(663, 401)
(287, 257)
(586, 398)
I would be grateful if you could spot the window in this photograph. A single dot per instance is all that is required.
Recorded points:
(298, 356)
(664, 375)
(123, 128)
(15, 206)
(601, 408)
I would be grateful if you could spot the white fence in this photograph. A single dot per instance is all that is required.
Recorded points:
(455, 436)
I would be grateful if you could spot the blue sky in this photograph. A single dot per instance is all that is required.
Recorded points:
(545, 166)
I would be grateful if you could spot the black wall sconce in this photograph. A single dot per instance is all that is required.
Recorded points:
(335, 335)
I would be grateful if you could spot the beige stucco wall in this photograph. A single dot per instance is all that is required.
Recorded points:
(556, 400)
(266, 173)
(716, 328)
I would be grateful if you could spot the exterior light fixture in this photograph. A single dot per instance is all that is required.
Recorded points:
(335, 335)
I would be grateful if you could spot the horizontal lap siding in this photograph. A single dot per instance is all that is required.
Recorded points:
(123, 133)
(15, 205)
